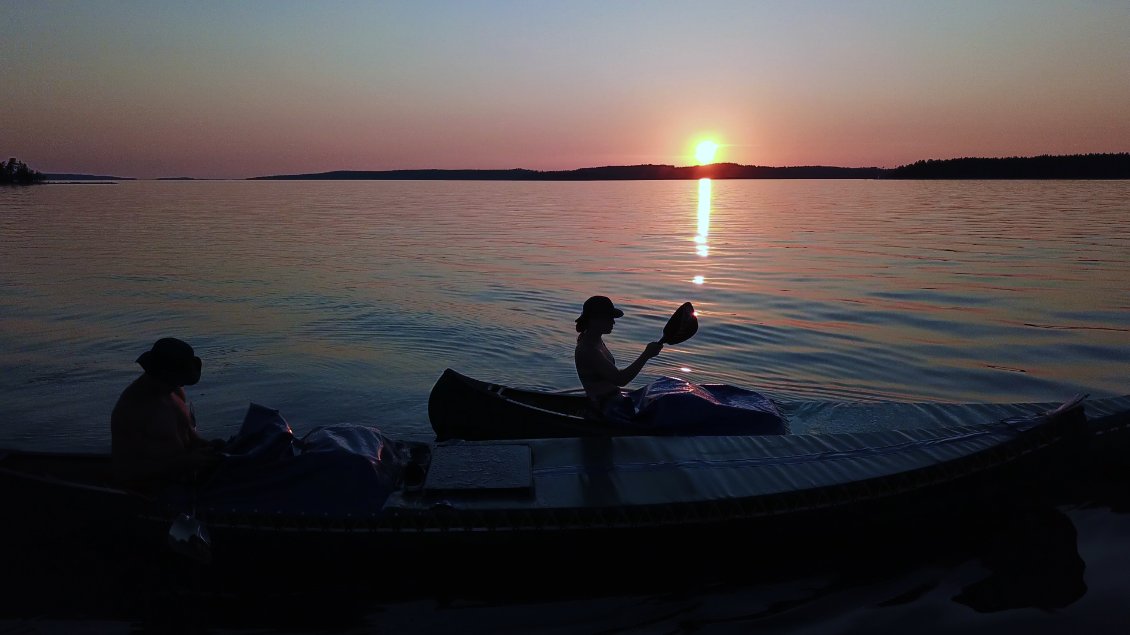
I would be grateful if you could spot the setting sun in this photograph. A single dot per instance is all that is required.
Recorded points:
(704, 152)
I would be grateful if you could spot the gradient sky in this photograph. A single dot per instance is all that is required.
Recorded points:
(238, 89)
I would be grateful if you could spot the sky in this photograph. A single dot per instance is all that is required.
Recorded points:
(238, 89)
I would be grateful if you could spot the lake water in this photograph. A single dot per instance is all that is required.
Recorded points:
(344, 302)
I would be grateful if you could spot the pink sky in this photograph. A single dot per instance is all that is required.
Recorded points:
(232, 90)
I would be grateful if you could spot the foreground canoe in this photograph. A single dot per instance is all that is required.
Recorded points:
(461, 407)
(572, 501)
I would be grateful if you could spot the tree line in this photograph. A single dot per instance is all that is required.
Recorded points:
(1074, 166)
(1079, 166)
(13, 172)
(606, 173)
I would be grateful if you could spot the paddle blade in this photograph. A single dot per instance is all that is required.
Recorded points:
(681, 326)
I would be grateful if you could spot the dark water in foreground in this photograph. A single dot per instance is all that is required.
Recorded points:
(337, 302)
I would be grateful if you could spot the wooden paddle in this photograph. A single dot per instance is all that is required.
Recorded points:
(681, 326)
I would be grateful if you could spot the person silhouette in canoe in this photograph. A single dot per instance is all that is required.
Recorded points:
(152, 427)
(596, 367)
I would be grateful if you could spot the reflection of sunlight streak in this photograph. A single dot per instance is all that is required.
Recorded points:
(703, 209)
(698, 280)
(685, 369)
(703, 218)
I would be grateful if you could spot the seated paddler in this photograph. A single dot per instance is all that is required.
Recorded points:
(596, 367)
(153, 426)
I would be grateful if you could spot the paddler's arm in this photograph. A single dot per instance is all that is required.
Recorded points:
(598, 365)
(624, 377)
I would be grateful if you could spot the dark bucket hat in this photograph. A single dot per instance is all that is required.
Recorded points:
(599, 306)
(172, 361)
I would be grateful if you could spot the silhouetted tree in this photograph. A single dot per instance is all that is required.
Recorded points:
(13, 172)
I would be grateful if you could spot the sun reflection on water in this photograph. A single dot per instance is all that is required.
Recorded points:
(702, 248)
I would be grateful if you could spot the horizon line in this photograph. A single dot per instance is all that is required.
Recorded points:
(531, 171)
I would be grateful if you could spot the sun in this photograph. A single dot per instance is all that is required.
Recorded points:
(704, 151)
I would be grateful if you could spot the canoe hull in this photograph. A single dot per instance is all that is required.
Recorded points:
(461, 407)
(652, 506)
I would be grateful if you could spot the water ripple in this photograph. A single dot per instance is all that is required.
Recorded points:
(345, 301)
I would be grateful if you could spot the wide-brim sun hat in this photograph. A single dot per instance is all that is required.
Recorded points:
(599, 306)
(172, 361)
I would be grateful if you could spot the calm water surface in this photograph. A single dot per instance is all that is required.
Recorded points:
(344, 301)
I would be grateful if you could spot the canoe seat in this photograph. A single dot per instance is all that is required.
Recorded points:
(491, 469)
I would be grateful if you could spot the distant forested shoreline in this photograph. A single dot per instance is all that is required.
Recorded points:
(1079, 166)
(1075, 166)
(1045, 167)
(607, 173)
